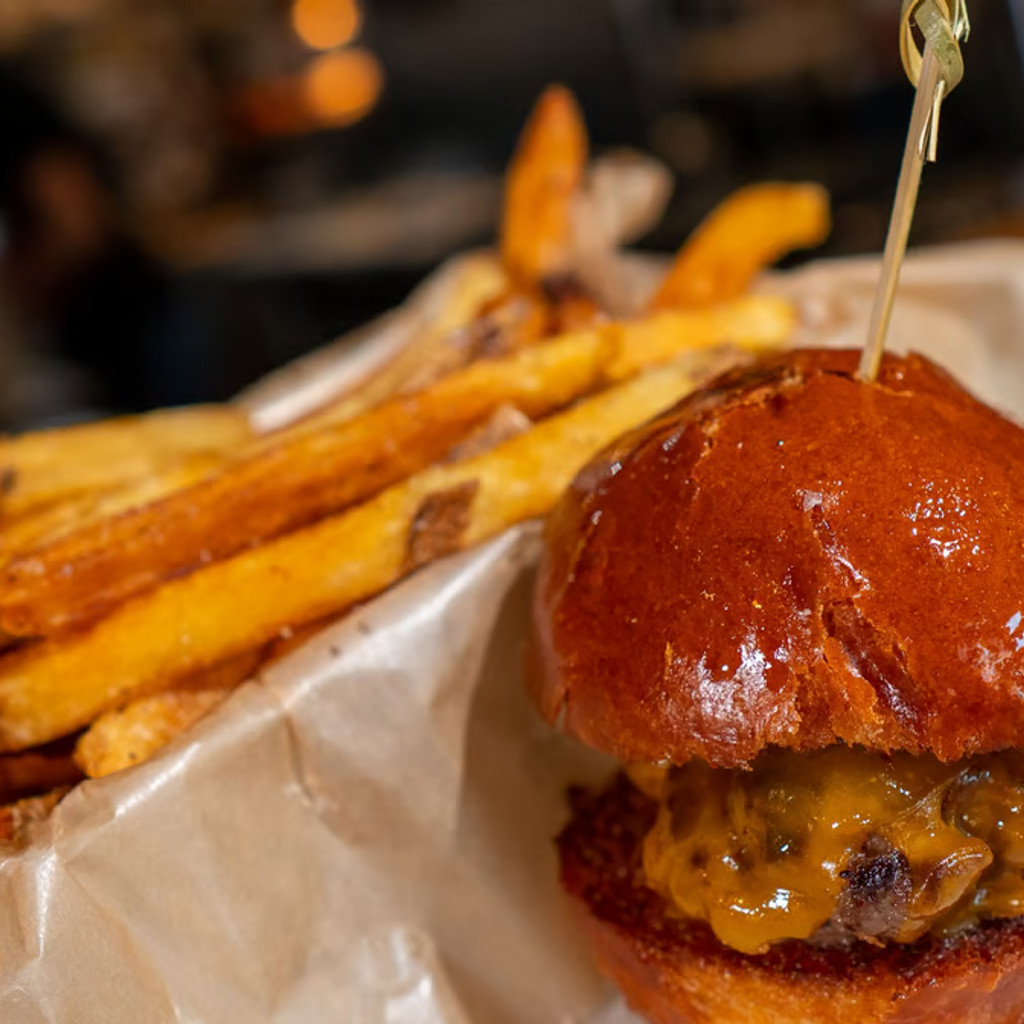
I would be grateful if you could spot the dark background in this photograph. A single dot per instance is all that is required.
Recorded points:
(179, 216)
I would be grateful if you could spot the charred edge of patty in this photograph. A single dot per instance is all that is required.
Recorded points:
(601, 866)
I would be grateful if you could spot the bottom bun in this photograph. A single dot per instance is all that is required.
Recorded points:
(673, 971)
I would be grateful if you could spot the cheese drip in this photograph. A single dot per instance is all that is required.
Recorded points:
(838, 844)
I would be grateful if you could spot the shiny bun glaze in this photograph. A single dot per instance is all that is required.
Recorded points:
(791, 557)
(674, 971)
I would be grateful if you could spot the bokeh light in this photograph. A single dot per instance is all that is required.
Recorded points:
(326, 24)
(341, 88)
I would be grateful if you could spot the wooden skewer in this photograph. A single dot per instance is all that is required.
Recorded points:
(941, 68)
(902, 216)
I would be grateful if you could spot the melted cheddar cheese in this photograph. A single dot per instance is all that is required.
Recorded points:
(776, 852)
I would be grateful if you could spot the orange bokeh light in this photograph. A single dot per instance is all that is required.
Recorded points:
(343, 87)
(325, 24)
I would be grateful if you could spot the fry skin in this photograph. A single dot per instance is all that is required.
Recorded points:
(147, 645)
(82, 576)
(744, 235)
(43, 526)
(85, 574)
(493, 307)
(39, 468)
(131, 735)
(543, 182)
(121, 739)
(753, 323)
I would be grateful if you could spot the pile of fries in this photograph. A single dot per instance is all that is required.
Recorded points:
(153, 564)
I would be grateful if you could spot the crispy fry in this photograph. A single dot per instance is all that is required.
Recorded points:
(301, 479)
(46, 525)
(120, 739)
(290, 640)
(745, 234)
(54, 687)
(440, 523)
(506, 422)
(570, 307)
(450, 338)
(753, 322)
(82, 576)
(543, 182)
(37, 469)
(492, 309)
(130, 735)
(434, 317)
(228, 674)
(43, 525)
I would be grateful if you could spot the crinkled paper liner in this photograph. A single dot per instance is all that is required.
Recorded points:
(365, 834)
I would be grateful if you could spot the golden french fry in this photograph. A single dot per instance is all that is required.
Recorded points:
(120, 739)
(543, 182)
(424, 333)
(496, 328)
(81, 576)
(130, 735)
(304, 477)
(228, 674)
(445, 343)
(572, 310)
(492, 309)
(754, 322)
(40, 468)
(745, 234)
(45, 525)
(292, 639)
(54, 687)
(507, 421)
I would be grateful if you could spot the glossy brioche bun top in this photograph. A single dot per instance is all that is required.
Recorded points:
(791, 557)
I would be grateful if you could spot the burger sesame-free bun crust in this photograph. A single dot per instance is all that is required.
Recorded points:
(792, 557)
(676, 972)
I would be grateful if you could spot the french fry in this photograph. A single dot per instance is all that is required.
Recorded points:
(301, 479)
(487, 305)
(446, 343)
(40, 468)
(435, 317)
(43, 526)
(51, 688)
(754, 323)
(228, 674)
(131, 735)
(504, 325)
(507, 421)
(745, 234)
(543, 182)
(83, 575)
(120, 739)
(292, 639)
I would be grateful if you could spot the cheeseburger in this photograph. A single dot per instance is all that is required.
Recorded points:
(793, 608)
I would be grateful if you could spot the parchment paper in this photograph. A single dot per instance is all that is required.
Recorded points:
(364, 834)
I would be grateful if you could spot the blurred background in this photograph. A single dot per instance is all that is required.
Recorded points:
(193, 192)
